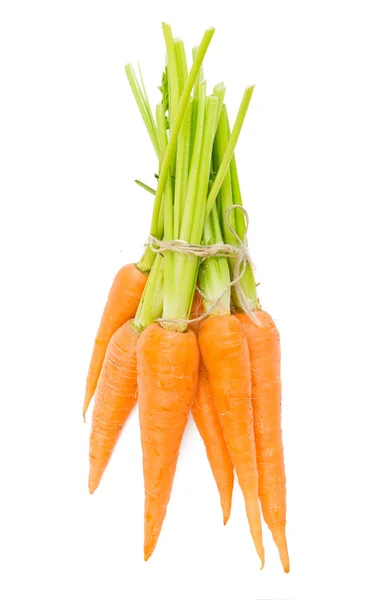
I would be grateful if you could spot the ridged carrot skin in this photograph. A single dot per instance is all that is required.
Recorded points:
(122, 303)
(115, 397)
(225, 354)
(167, 366)
(265, 359)
(209, 427)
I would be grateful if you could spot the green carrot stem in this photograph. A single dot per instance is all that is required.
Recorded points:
(146, 261)
(198, 218)
(183, 145)
(200, 76)
(214, 273)
(182, 169)
(147, 102)
(193, 128)
(145, 186)
(156, 222)
(173, 83)
(247, 282)
(225, 193)
(230, 194)
(179, 304)
(179, 118)
(148, 257)
(222, 262)
(197, 85)
(189, 203)
(181, 58)
(143, 105)
(240, 220)
(241, 224)
(168, 192)
(151, 304)
(225, 163)
(153, 192)
(168, 206)
(173, 79)
(219, 91)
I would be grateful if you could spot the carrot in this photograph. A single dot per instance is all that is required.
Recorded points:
(209, 427)
(122, 303)
(115, 397)
(226, 357)
(168, 356)
(264, 351)
(224, 369)
(168, 364)
(129, 283)
(117, 385)
(206, 419)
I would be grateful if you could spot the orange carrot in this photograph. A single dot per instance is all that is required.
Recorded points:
(122, 303)
(265, 356)
(208, 424)
(168, 363)
(225, 354)
(115, 397)
(207, 421)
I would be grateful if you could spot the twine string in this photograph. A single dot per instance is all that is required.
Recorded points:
(239, 253)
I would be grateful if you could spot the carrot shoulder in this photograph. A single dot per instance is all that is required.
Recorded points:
(122, 303)
(167, 363)
(265, 356)
(115, 397)
(226, 357)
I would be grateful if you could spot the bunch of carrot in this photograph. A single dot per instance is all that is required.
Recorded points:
(175, 335)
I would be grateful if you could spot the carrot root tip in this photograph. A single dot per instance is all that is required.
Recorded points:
(147, 553)
(86, 403)
(92, 486)
(279, 537)
(260, 552)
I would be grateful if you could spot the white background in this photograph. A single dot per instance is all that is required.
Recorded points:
(71, 144)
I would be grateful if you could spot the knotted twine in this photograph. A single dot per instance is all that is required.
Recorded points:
(220, 250)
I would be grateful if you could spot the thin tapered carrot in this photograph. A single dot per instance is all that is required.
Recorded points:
(122, 303)
(265, 356)
(207, 421)
(167, 363)
(224, 351)
(115, 397)
(208, 424)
